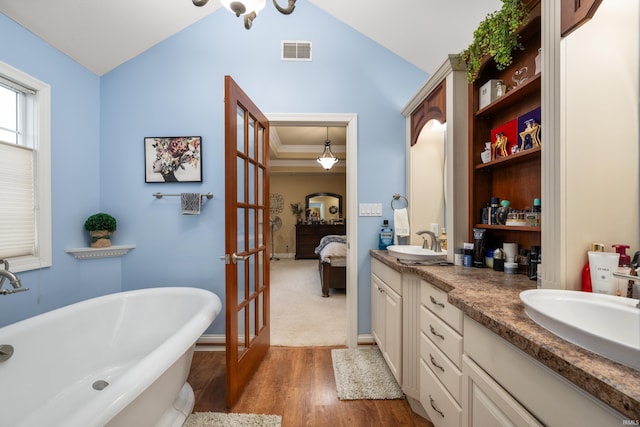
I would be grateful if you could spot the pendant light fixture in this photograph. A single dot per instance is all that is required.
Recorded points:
(327, 159)
(249, 8)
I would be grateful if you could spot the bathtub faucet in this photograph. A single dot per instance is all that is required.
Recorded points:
(13, 280)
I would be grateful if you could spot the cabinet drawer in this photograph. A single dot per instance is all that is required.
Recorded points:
(388, 275)
(448, 374)
(435, 299)
(440, 406)
(442, 335)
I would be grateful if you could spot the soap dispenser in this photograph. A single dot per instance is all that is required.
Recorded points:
(624, 267)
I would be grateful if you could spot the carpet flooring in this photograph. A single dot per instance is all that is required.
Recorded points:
(300, 316)
(363, 374)
(220, 419)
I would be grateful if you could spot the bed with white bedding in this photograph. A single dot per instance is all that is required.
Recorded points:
(332, 262)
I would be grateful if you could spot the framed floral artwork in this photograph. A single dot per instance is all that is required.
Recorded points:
(173, 159)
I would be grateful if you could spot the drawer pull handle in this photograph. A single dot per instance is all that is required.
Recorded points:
(434, 363)
(434, 332)
(435, 301)
(433, 405)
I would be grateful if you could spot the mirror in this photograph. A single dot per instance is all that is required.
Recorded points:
(323, 207)
(428, 180)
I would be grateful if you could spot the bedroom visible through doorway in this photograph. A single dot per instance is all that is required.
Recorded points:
(296, 142)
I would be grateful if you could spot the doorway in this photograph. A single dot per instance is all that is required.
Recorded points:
(349, 122)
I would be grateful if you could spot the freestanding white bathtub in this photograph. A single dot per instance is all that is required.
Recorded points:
(117, 360)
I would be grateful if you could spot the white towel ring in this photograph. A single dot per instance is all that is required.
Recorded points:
(400, 200)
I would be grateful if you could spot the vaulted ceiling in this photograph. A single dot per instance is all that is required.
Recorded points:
(100, 35)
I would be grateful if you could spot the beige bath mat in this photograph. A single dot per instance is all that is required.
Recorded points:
(363, 374)
(220, 419)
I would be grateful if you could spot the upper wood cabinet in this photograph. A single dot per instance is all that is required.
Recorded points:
(516, 177)
(575, 13)
(433, 107)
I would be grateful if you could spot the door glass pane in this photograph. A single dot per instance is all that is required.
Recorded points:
(241, 190)
(260, 228)
(251, 134)
(242, 278)
(252, 275)
(241, 332)
(260, 144)
(251, 222)
(251, 183)
(240, 128)
(241, 239)
(252, 320)
(262, 313)
(260, 186)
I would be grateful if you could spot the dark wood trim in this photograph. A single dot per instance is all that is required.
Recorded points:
(433, 107)
(574, 13)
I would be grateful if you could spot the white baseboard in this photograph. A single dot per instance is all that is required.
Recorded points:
(216, 342)
(287, 255)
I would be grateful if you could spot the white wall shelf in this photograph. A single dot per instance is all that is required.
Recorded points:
(95, 253)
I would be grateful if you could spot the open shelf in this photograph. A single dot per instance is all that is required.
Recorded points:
(522, 156)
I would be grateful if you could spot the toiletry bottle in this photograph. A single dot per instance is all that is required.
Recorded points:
(443, 239)
(523, 262)
(385, 237)
(624, 267)
(537, 211)
(534, 260)
(602, 266)
(478, 247)
(586, 271)
(498, 260)
(493, 210)
(488, 258)
(467, 260)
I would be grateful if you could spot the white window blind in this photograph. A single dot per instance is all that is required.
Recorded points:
(17, 210)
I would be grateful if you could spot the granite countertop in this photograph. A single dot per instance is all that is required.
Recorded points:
(492, 299)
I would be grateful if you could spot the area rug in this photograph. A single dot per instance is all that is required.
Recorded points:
(220, 419)
(363, 374)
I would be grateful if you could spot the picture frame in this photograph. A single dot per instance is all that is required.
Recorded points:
(173, 159)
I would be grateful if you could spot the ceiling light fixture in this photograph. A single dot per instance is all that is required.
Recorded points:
(327, 160)
(249, 8)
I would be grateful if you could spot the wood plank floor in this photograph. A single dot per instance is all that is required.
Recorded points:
(298, 384)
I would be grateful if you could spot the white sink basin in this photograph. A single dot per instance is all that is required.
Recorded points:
(415, 253)
(604, 324)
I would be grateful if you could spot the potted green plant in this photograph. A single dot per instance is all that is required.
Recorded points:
(100, 226)
(297, 209)
(497, 36)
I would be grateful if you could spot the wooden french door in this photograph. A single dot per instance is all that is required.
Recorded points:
(246, 236)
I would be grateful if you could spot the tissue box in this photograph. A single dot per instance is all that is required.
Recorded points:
(488, 93)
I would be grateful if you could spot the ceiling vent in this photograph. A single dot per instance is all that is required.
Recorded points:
(296, 51)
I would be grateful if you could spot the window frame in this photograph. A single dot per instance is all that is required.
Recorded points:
(42, 166)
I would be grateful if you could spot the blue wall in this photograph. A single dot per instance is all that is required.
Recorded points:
(176, 88)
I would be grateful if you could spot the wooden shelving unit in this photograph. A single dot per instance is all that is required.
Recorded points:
(517, 177)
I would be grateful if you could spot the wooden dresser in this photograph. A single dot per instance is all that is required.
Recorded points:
(308, 237)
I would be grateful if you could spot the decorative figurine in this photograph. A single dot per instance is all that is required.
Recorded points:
(500, 146)
(530, 137)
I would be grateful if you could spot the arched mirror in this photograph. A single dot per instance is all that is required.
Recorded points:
(428, 172)
(323, 207)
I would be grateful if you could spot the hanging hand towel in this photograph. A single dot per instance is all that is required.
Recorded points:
(191, 203)
(401, 222)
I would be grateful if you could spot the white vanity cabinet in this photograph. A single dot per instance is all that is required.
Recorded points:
(503, 386)
(441, 346)
(386, 314)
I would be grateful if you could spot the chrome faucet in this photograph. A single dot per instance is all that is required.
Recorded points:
(630, 278)
(13, 280)
(435, 244)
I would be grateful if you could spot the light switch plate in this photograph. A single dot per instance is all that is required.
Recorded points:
(370, 209)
